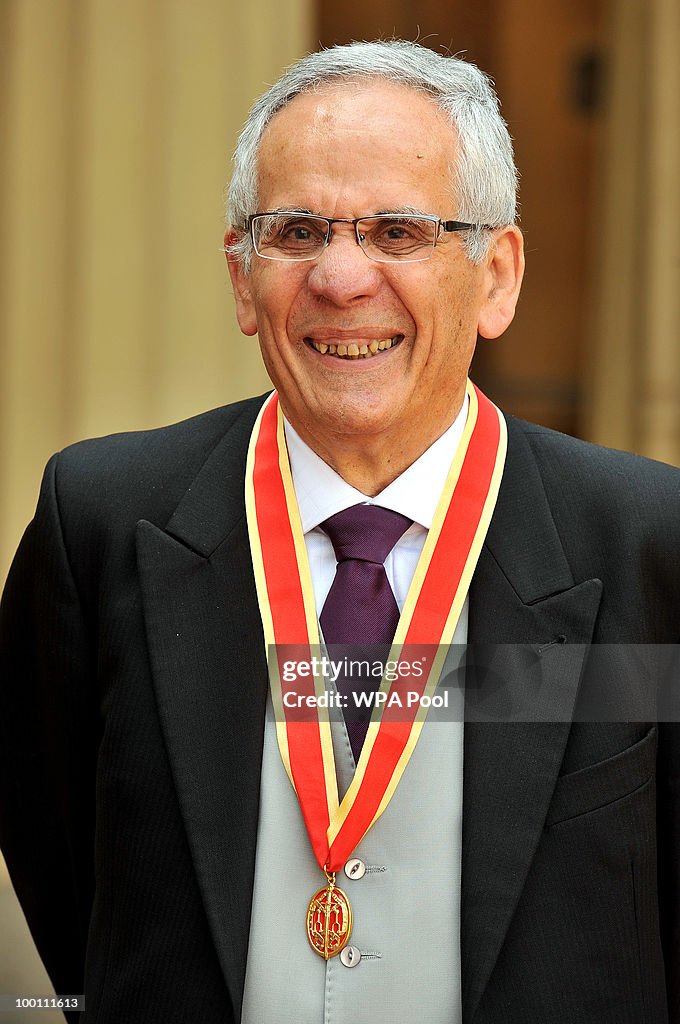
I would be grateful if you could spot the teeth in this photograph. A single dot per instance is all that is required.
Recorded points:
(354, 350)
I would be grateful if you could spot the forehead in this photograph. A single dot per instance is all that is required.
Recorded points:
(347, 138)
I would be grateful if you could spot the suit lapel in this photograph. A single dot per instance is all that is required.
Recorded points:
(523, 593)
(209, 669)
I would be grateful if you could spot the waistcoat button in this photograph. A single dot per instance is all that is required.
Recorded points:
(355, 869)
(350, 956)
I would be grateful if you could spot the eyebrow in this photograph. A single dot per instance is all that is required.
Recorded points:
(293, 209)
(412, 211)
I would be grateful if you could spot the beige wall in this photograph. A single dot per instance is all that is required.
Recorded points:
(117, 123)
(634, 377)
(118, 118)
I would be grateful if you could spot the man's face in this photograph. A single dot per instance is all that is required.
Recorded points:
(345, 152)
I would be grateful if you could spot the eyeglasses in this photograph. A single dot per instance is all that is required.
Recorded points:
(385, 238)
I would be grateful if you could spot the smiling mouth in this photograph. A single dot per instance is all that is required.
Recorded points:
(355, 349)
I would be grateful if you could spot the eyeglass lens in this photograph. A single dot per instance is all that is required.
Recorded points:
(295, 237)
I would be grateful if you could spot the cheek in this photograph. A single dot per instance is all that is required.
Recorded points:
(276, 301)
(460, 300)
(450, 323)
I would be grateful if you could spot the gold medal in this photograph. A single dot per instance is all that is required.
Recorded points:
(329, 919)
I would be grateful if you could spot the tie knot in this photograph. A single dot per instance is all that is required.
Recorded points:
(366, 533)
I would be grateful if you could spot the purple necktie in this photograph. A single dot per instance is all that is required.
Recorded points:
(360, 608)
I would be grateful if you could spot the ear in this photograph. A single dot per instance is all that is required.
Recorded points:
(504, 273)
(241, 286)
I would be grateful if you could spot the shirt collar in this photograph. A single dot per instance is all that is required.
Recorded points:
(321, 492)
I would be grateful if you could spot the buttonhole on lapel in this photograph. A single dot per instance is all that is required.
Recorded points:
(561, 639)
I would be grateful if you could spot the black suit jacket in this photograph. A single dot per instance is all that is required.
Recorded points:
(133, 694)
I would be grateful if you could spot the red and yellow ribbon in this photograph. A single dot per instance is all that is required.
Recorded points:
(427, 623)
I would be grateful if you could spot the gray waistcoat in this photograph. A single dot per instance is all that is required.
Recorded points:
(406, 906)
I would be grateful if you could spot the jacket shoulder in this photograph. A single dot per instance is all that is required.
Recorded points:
(595, 472)
(617, 513)
(148, 470)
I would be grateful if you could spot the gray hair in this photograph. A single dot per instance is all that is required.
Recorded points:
(484, 181)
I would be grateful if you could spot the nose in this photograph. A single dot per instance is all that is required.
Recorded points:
(343, 274)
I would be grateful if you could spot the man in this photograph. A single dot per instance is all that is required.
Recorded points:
(517, 872)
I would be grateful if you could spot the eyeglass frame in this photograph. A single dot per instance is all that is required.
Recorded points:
(441, 225)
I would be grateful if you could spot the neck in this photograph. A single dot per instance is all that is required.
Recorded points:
(370, 464)
(371, 472)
